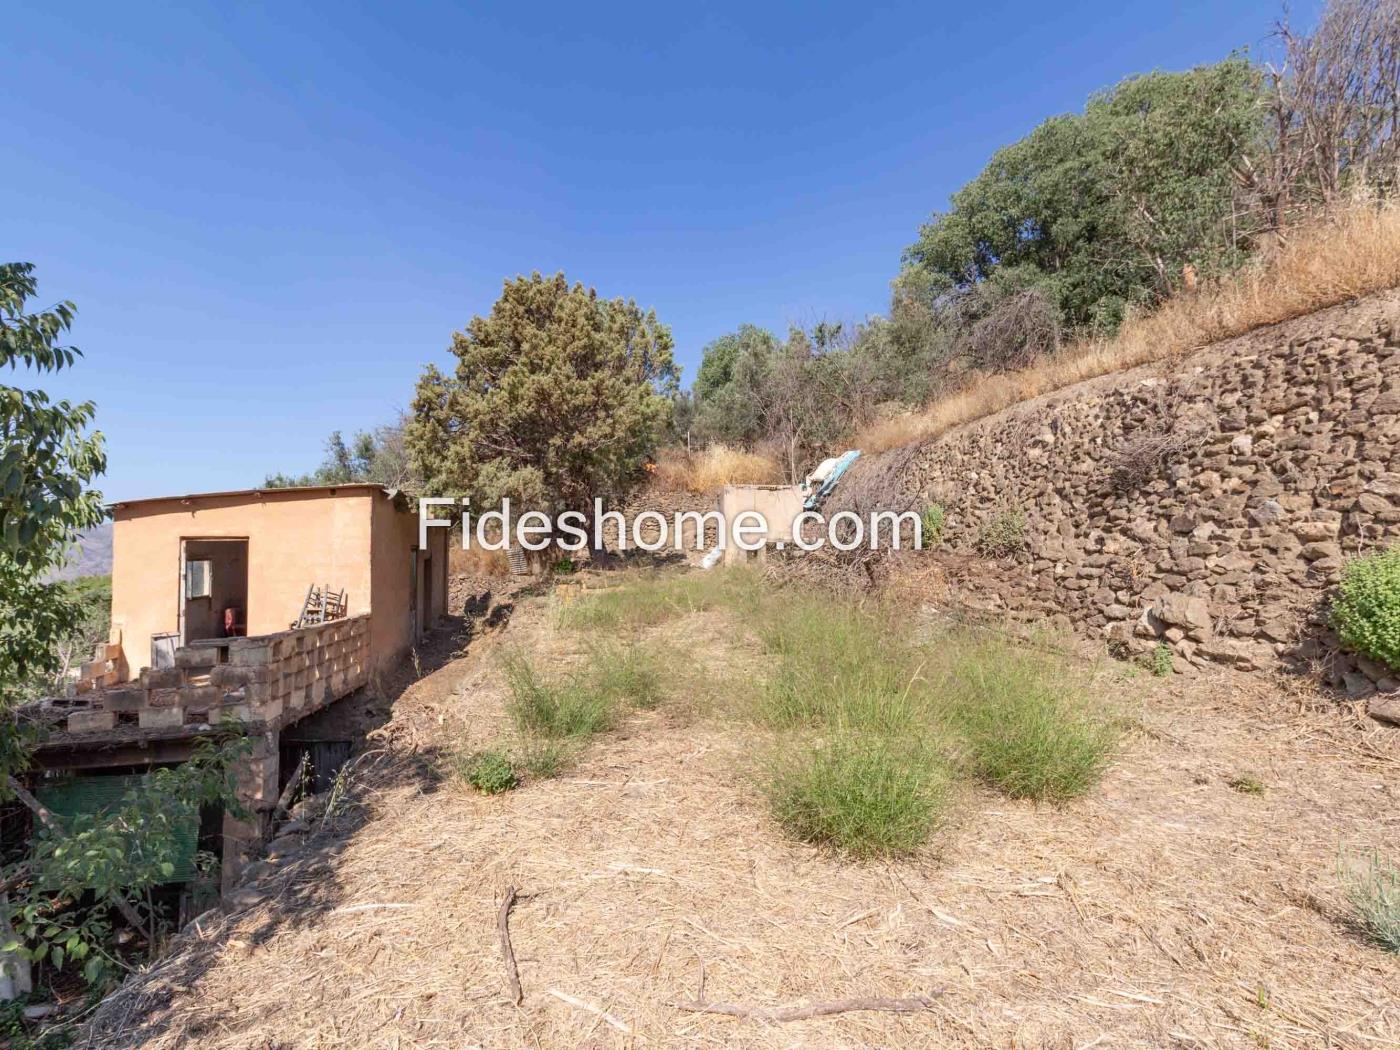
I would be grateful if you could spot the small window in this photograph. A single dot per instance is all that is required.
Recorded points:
(199, 578)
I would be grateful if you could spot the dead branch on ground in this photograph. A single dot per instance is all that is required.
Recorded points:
(507, 952)
(911, 1005)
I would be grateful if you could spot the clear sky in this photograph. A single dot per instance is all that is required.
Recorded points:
(271, 216)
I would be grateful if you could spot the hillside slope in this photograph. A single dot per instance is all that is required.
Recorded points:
(1164, 909)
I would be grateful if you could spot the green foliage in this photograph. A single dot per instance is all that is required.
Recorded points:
(544, 759)
(634, 674)
(1024, 726)
(657, 598)
(730, 386)
(47, 458)
(891, 711)
(1001, 535)
(561, 709)
(490, 772)
(1246, 784)
(1161, 660)
(1375, 901)
(1103, 209)
(565, 566)
(837, 666)
(1366, 611)
(558, 396)
(14, 1032)
(931, 523)
(376, 456)
(117, 855)
(867, 797)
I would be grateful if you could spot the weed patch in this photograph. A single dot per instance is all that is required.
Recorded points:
(1001, 535)
(635, 674)
(490, 772)
(1023, 727)
(650, 600)
(544, 759)
(1245, 784)
(837, 666)
(868, 798)
(555, 710)
(1375, 900)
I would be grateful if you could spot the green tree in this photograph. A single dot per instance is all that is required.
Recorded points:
(729, 386)
(47, 460)
(558, 396)
(376, 456)
(1103, 209)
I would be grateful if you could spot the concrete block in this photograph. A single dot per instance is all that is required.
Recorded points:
(92, 669)
(196, 659)
(163, 697)
(123, 700)
(201, 696)
(92, 721)
(162, 677)
(161, 717)
(250, 656)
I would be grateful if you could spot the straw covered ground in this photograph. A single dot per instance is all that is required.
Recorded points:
(1164, 908)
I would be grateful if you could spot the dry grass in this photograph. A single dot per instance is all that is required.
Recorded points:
(476, 561)
(1352, 254)
(1165, 909)
(713, 468)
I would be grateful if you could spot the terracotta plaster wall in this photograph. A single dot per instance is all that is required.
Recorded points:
(395, 537)
(294, 540)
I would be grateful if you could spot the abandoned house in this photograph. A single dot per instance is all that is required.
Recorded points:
(262, 607)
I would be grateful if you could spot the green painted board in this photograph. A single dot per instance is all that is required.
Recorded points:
(92, 794)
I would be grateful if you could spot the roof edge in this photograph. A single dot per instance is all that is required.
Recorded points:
(259, 493)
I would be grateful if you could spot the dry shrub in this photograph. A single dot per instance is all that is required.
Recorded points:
(711, 469)
(476, 561)
(1019, 329)
(1352, 253)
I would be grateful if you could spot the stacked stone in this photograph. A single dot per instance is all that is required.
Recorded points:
(1282, 460)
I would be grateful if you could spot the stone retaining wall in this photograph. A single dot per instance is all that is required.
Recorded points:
(1208, 504)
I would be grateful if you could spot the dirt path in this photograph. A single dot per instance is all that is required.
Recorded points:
(1166, 909)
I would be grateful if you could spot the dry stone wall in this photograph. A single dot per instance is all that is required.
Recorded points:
(1207, 504)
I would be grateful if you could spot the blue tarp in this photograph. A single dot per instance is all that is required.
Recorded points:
(842, 465)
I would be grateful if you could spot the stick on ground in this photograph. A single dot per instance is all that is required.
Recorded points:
(507, 952)
(802, 1013)
(596, 1011)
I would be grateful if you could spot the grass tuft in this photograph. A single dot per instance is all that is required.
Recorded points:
(556, 710)
(1245, 784)
(544, 759)
(635, 674)
(1375, 900)
(837, 666)
(645, 601)
(864, 797)
(1026, 728)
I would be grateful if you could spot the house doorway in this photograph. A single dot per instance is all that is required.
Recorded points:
(213, 589)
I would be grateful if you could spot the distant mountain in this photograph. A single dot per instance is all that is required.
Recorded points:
(92, 554)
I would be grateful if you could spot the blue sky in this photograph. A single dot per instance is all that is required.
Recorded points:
(271, 216)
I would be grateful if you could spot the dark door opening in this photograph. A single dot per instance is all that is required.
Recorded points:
(213, 589)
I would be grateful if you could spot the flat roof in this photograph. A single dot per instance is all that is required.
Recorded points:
(294, 490)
